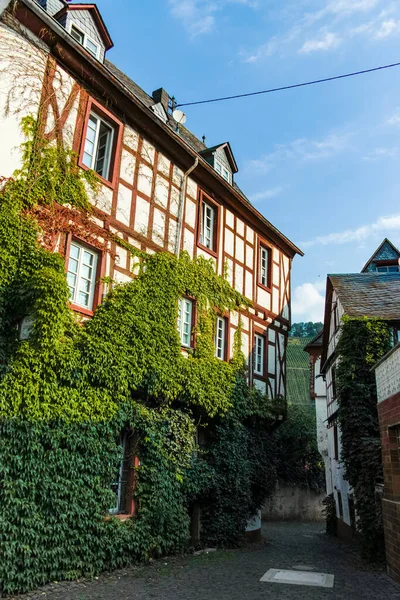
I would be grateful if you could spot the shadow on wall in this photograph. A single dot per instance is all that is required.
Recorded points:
(294, 504)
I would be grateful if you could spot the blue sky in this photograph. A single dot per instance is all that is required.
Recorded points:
(322, 163)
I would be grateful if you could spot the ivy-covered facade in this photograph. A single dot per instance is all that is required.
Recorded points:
(144, 312)
(361, 323)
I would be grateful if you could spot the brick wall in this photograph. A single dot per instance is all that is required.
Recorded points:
(389, 422)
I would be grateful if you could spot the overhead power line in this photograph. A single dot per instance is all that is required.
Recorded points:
(291, 87)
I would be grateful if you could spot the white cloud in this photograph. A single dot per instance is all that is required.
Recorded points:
(267, 194)
(308, 302)
(387, 28)
(336, 23)
(199, 16)
(381, 226)
(382, 152)
(394, 119)
(327, 41)
(302, 150)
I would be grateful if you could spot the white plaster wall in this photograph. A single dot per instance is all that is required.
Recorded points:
(22, 69)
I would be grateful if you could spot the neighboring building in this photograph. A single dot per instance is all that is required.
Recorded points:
(53, 63)
(372, 293)
(317, 394)
(387, 372)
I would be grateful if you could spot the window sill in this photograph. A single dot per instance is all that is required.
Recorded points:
(81, 310)
(119, 517)
(264, 287)
(213, 253)
(109, 184)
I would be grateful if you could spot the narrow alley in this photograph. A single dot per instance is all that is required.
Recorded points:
(236, 574)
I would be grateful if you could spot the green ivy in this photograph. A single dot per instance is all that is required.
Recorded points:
(362, 343)
(68, 391)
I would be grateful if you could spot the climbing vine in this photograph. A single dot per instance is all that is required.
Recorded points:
(68, 390)
(362, 343)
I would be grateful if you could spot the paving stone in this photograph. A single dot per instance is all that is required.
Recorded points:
(236, 574)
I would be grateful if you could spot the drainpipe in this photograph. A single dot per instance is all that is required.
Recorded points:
(4, 5)
(182, 198)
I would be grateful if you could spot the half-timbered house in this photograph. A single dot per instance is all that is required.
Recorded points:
(162, 189)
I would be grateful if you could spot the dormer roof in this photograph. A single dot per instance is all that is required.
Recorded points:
(385, 252)
(96, 16)
(228, 151)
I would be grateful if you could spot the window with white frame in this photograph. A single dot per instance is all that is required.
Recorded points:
(120, 484)
(208, 224)
(98, 145)
(185, 316)
(220, 338)
(264, 266)
(84, 40)
(259, 353)
(82, 267)
(223, 171)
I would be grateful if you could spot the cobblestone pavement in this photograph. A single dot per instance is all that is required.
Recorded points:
(235, 574)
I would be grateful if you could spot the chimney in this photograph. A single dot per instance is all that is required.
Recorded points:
(161, 96)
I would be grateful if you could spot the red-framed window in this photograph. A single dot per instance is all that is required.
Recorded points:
(208, 224)
(264, 269)
(84, 266)
(260, 355)
(186, 321)
(123, 485)
(101, 143)
(221, 338)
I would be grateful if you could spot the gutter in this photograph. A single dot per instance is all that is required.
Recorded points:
(181, 211)
(62, 33)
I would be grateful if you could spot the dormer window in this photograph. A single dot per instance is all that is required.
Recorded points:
(222, 171)
(84, 40)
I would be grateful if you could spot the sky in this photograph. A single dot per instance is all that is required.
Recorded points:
(322, 163)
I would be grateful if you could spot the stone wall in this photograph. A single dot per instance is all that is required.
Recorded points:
(294, 504)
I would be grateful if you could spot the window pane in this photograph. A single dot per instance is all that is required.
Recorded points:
(93, 48)
(88, 258)
(207, 237)
(103, 150)
(73, 265)
(77, 35)
(218, 167)
(74, 251)
(83, 299)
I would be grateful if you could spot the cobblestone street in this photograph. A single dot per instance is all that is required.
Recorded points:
(235, 575)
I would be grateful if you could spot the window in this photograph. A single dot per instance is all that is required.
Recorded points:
(208, 226)
(122, 485)
(223, 171)
(220, 338)
(84, 40)
(333, 375)
(78, 35)
(98, 145)
(259, 352)
(388, 269)
(264, 266)
(92, 47)
(336, 442)
(185, 315)
(82, 267)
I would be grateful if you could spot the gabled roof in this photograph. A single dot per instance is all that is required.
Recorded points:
(379, 254)
(371, 294)
(316, 342)
(228, 151)
(98, 19)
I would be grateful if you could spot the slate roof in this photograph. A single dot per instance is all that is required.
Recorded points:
(196, 144)
(369, 294)
(316, 341)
